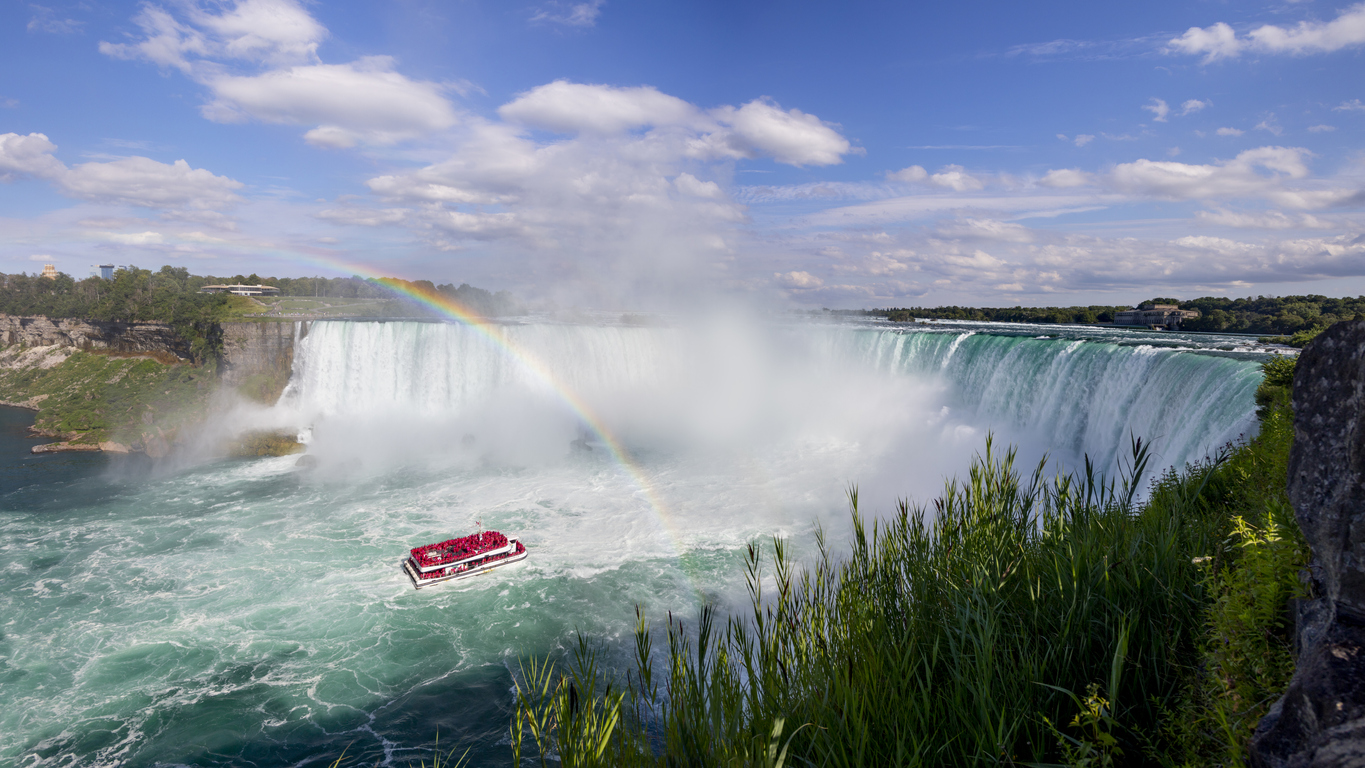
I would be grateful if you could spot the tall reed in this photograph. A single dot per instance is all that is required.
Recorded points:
(1015, 620)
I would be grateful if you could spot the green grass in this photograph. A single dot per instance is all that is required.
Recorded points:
(335, 307)
(1015, 620)
(93, 397)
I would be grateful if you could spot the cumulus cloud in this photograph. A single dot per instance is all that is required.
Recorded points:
(565, 107)
(136, 181)
(690, 185)
(911, 174)
(793, 137)
(259, 31)
(1159, 108)
(760, 128)
(623, 194)
(1082, 139)
(1261, 172)
(1354, 105)
(798, 280)
(956, 178)
(1229, 132)
(1220, 41)
(365, 101)
(1321, 128)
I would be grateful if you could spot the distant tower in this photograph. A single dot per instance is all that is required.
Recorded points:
(107, 271)
(50, 271)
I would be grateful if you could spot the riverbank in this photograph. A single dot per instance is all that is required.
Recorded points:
(144, 402)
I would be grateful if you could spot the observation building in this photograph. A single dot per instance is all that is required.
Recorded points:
(1166, 316)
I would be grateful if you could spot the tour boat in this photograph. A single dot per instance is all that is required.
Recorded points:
(461, 558)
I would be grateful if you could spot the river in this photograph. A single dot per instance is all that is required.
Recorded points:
(237, 612)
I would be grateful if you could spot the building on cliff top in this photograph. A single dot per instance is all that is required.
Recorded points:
(242, 290)
(1166, 316)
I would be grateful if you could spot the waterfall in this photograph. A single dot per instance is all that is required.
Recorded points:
(1085, 397)
(1072, 396)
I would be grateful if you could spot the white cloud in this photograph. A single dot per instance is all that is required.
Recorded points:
(30, 155)
(260, 31)
(1262, 172)
(136, 181)
(1269, 126)
(46, 19)
(956, 178)
(365, 101)
(1321, 128)
(1065, 177)
(1229, 132)
(1191, 106)
(792, 137)
(365, 217)
(688, 184)
(566, 107)
(1159, 108)
(985, 229)
(569, 14)
(1354, 105)
(1261, 220)
(910, 174)
(798, 280)
(757, 129)
(1083, 138)
(1220, 41)
(136, 238)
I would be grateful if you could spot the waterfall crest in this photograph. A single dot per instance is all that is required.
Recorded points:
(1072, 396)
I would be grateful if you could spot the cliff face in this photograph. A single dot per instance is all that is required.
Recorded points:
(1320, 722)
(147, 338)
(258, 357)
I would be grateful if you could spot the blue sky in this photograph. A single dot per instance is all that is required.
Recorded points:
(619, 154)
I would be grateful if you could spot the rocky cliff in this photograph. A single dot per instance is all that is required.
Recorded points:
(128, 338)
(1320, 721)
(255, 350)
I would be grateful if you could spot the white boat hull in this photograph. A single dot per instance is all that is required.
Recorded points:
(419, 582)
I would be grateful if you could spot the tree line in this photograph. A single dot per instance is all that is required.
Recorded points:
(1278, 315)
(171, 295)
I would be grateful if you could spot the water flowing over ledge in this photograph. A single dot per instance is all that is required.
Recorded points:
(1073, 396)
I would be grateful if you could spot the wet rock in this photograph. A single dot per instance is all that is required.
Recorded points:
(63, 447)
(1320, 721)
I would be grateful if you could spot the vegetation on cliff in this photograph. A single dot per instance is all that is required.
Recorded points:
(1014, 620)
(1284, 315)
(91, 398)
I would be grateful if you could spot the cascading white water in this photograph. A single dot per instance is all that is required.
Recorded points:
(1067, 396)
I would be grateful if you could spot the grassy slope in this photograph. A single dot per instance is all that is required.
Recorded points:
(92, 398)
(1038, 620)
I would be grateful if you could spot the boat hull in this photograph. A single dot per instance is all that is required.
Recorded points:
(420, 583)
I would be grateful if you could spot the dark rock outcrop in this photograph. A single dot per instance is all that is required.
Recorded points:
(111, 335)
(257, 349)
(1320, 721)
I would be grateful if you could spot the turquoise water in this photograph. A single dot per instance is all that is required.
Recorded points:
(240, 612)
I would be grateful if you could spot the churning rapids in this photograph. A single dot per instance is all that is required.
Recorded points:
(252, 612)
